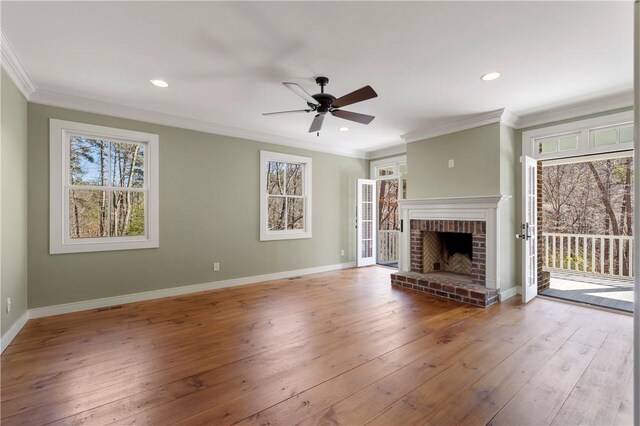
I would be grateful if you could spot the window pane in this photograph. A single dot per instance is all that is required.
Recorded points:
(605, 137)
(384, 170)
(626, 134)
(546, 146)
(88, 161)
(568, 143)
(366, 193)
(127, 165)
(295, 213)
(127, 213)
(367, 211)
(275, 178)
(88, 214)
(276, 213)
(294, 178)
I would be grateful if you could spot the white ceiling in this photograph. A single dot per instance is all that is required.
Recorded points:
(225, 61)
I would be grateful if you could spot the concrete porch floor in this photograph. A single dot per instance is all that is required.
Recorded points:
(613, 293)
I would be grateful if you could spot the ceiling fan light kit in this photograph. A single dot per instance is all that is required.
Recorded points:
(323, 103)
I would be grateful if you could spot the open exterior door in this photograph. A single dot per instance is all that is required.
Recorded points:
(529, 228)
(366, 223)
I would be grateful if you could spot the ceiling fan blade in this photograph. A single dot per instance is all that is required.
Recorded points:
(298, 90)
(287, 112)
(357, 96)
(316, 125)
(353, 116)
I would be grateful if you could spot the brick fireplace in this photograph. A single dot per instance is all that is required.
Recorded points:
(449, 248)
(435, 244)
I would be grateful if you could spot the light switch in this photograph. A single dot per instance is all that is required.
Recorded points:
(451, 164)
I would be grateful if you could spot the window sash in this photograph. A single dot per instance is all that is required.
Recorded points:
(61, 133)
(266, 233)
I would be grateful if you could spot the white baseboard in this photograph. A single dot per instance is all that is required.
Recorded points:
(13, 331)
(66, 308)
(509, 293)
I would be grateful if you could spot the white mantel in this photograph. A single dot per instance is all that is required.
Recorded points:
(484, 208)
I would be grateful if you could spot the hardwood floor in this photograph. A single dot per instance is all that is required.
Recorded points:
(333, 348)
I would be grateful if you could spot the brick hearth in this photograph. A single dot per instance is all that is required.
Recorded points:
(446, 285)
(463, 288)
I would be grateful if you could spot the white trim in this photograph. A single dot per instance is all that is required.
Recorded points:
(395, 161)
(58, 204)
(509, 293)
(361, 259)
(15, 68)
(177, 291)
(584, 141)
(13, 331)
(636, 218)
(265, 234)
(78, 103)
(576, 109)
(394, 149)
(445, 127)
(484, 208)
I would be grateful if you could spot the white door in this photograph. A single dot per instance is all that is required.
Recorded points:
(366, 223)
(529, 228)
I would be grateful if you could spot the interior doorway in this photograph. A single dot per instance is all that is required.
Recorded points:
(390, 176)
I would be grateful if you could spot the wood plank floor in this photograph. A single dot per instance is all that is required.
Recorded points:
(334, 348)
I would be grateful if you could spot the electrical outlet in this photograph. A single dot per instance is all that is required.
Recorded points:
(342, 252)
(8, 304)
(451, 164)
(216, 267)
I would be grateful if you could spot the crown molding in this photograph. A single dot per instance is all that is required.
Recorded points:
(576, 109)
(445, 127)
(15, 68)
(78, 103)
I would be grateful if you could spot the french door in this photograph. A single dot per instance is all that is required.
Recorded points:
(366, 220)
(529, 228)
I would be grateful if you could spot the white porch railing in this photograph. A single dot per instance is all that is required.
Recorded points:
(597, 254)
(388, 246)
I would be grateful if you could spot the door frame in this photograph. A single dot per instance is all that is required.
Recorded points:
(395, 163)
(529, 228)
(369, 260)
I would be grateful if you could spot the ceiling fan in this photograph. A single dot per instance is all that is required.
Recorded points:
(323, 103)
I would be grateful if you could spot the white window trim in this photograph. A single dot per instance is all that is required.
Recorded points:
(584, 127)
(265, 234)
(392, 161)
(59, 241)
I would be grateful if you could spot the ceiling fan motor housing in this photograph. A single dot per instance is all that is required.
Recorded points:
(324, 100)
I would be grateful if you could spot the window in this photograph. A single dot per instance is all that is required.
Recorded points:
(602, 134)
(613, 135)
(548, 145)
(103, 188)
(285, 196)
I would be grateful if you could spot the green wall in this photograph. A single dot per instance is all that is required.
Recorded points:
(509, 171)
(476, 153)
(209, 212)
(13, 166)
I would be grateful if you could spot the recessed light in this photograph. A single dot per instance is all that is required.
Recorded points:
(344, 129)
(159, 83)
(494, 75)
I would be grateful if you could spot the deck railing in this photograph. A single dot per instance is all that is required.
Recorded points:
(598, 254)
(388, 246)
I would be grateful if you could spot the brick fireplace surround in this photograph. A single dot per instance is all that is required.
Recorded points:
(476, 216)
